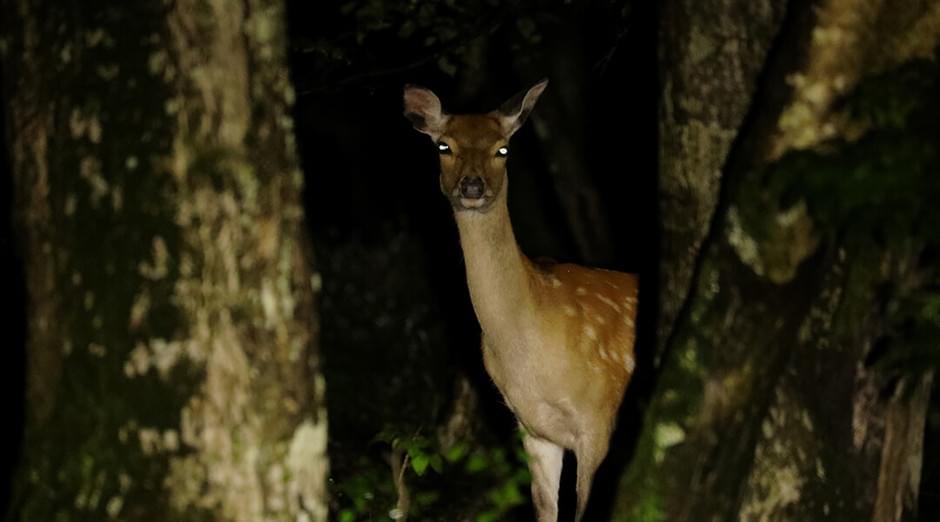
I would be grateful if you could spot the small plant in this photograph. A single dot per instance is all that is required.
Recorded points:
(416, 478)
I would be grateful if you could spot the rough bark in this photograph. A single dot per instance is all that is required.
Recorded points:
(172, 367)
(711, 54)
(768, 406)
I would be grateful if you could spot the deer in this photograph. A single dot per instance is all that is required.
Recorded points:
(557, 339)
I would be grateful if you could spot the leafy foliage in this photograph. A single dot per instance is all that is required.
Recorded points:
(371, 37)
(487, 482)
(914, 335)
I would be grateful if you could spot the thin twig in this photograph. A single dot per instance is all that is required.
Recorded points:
(399, 465)
(602, 64)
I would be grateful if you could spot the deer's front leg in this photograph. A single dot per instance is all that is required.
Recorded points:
(545, 460)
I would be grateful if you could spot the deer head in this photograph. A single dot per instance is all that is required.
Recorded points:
(472, 148)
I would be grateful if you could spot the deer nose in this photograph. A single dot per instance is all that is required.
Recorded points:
(472, 187)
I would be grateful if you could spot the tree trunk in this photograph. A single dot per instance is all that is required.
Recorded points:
(711, 53)
(769, 405)
(172, 364)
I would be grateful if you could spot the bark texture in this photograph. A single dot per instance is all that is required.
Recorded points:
(711, 54)
(768, 406)
(172, 367)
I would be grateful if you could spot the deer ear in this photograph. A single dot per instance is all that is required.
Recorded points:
(423, 109)
(514, 112)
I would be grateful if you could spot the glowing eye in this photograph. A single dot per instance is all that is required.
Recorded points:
(502, 152)
(443, 148)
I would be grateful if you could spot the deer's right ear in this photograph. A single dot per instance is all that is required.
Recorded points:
(423, 109)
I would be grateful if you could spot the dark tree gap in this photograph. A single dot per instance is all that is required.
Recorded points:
(13, 366)
(384, 201)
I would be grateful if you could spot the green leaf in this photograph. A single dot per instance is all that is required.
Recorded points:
(426, 498)
(437, 463)
(419, 463)
(488, 516)
(476, 463)
(456, 453)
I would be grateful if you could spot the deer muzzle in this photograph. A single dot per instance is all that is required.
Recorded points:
(472, 187)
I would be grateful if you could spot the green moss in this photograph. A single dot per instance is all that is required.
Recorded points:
(76, 456)
(641, 500)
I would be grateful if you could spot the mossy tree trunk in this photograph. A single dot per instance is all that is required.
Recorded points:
(172, 364)
(710, 55)
(772, 402)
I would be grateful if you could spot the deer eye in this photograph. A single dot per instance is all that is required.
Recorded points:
(502, 152)
(443, 148)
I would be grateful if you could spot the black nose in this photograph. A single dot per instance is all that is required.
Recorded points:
(472, 188)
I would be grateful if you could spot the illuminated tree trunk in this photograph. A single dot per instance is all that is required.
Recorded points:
(771, 402)
(172, 362)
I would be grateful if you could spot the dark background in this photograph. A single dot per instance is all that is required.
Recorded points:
(12, 326)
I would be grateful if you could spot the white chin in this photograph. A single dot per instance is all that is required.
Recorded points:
(472, 203)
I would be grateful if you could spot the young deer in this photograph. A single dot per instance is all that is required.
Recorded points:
(557, 340)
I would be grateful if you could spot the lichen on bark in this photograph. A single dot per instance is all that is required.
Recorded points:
(172, 355)
(769, 376)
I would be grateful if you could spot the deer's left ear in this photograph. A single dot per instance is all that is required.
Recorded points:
(423, 109)
(514, 112)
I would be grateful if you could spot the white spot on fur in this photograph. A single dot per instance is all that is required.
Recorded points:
(628, 362)
(600, 319)
(605, 354)
(580, 290)
(609, 302)
(570, 311)
(590, 332)
(555, 282)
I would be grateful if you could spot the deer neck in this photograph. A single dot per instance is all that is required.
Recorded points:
(497, 271)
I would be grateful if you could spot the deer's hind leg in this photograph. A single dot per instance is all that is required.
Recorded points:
(590, 452)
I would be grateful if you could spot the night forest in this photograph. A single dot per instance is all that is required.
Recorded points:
(235, 290)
